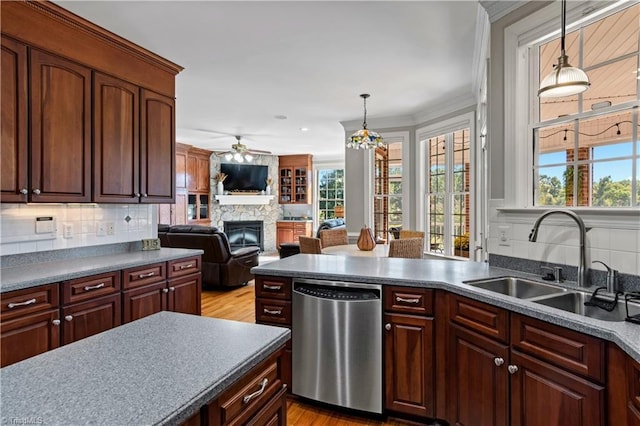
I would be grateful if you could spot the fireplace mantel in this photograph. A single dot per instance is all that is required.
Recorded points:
(243, 199)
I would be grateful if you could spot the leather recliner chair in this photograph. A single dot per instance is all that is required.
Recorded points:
(221, 267)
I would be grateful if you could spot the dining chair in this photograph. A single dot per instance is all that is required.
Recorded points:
(333, 237)
(310, 245)
(408, 248)
(406, 233)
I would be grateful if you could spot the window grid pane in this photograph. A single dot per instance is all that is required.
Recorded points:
(330, 193)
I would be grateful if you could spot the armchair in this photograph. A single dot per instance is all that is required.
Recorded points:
(221, 267)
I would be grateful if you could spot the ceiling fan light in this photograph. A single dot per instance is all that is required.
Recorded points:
(565, 80)
(248, 157)
(238, 157)
(228, 156)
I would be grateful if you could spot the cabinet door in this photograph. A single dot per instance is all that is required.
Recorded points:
(141, 302)
(274, 413)
(284, 233)
(286, 185)
(203, 181)
(184, 295)
(27, 336)
(409, 364)
(157, 148)
(88, 318)
(478, 385)
(633, 387)
(542, 394)
(60, 110)
(181, 170)
(14, 179)
(116, 140)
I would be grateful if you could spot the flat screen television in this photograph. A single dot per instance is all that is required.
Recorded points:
(244, 177)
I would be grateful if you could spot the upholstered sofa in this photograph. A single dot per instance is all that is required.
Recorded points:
(289, 249)
(221, 267)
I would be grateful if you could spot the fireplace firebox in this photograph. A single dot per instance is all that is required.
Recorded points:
(245, 233)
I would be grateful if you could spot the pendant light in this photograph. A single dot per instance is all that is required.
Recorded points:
(365, 139)
(564, 80)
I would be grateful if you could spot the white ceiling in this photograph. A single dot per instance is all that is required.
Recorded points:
(247, 62)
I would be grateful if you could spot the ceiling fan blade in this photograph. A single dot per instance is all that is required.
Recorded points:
(258, 151)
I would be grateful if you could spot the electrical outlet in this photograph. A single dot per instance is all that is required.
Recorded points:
(101, 229)
(67, 230)
(110, 228)
(504, 235)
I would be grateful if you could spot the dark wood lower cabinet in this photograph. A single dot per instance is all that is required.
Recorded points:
(409, 371)
(88, 318)
(542, 394)
(143, 301)
(478, 380)
(184, 295)
(28, 336)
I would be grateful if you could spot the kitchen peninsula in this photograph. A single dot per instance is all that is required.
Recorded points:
(468, 355)
(167, 368)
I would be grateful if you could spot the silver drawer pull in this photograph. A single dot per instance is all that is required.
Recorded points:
(257, 393)
(186, 266)
(272, 287)
(401, 299)
(150, 274)
(270, 312)
(25, 303)
(93, 287)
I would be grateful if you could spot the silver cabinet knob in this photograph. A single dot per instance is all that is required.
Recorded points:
(24, 191)
(512, 369)
(172, 289)
(165, 290)
(498, 361)
(137, 194)
(55, 322)
(144, 195)
(68, 318)
(36, 191)
(387, 327)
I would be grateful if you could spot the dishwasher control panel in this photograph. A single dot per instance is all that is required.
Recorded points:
(337, 293)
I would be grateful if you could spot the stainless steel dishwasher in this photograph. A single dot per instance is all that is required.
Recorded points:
(337, 343)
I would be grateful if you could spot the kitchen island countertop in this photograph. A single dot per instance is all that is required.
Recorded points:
(449, 275)
(158, 370)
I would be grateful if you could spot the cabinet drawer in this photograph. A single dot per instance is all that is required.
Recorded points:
(485, 319)
(246, 397)
(273, 311)
(182, 267)
(418, 301)
(35, 299)
(274, 413)
(567, 349)
(274, 288)
(143, 275)
(90, 287)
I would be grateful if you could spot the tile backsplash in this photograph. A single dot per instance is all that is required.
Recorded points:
(77, 225)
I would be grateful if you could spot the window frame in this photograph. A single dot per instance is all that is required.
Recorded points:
(423, 134)
(520, 101)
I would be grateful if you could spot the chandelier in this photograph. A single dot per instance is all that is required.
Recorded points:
(364, 138)
(564, 80)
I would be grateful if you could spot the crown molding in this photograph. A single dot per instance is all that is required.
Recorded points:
(497, 9)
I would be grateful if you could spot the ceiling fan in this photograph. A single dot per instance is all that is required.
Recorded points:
(240, 152)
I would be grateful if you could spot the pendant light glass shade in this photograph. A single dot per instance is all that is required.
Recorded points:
(564, 80)
(365, 138)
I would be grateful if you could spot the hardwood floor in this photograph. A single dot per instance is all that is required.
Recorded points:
(238, 304)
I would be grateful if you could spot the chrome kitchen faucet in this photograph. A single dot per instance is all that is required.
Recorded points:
(533, 236)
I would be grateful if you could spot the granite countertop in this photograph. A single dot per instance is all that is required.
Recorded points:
(449, 275)
(34, 274)
(154, 371)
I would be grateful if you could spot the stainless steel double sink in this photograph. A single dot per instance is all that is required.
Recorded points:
(555, 297)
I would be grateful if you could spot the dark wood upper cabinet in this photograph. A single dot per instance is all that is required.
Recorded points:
(157, 148)
(116, 136)
(14, 179)
(60, 109)
(51, 112)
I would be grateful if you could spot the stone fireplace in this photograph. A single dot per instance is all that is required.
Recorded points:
(268, 214)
